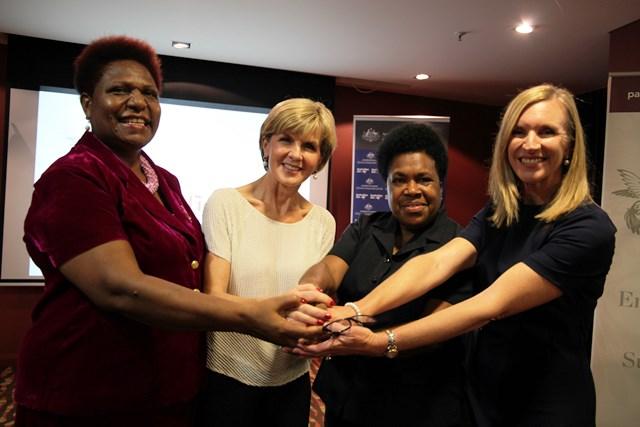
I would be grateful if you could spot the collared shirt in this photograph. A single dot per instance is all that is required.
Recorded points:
(423, 387)
(367, 246)
(78, 359)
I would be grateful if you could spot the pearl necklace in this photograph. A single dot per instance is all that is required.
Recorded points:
(152, 178)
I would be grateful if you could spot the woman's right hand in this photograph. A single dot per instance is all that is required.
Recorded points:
(358, 340)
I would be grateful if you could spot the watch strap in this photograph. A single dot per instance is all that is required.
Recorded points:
(392, 349)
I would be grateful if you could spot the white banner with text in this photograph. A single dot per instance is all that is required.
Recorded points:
(616, 339)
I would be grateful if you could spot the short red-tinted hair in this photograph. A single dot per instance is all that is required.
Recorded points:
(90, 64)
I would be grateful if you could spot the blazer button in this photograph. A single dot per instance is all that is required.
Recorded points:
(195, 264)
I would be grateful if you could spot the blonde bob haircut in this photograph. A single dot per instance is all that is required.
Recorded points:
(504, 185)
(302, 117)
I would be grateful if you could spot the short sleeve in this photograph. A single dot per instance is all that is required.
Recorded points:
(216, 224)
(347, 245)
(329, 233)
(578, 251)
(72, 211)
(475, 231)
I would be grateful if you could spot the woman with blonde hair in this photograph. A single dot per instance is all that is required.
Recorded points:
(542, 249)
(261, 238)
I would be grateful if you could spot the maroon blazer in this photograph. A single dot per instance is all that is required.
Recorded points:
(78, 359)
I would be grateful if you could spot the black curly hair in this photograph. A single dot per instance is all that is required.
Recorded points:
(411, 138)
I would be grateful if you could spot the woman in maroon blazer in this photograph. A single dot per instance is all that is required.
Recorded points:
(120, 251)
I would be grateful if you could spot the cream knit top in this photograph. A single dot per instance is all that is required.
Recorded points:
(267, 258)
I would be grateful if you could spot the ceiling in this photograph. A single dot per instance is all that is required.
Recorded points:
(368, 44)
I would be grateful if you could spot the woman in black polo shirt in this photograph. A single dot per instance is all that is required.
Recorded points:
(425, 388)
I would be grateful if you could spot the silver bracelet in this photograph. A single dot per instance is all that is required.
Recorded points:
(354, 307)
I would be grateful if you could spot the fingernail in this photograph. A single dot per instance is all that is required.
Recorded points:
(332, 303)
(327, 316)
(320, 289)
(320, 321)
(303, 301)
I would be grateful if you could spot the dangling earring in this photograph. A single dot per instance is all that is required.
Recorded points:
(87, 127)
(265, 162)
(314, 175)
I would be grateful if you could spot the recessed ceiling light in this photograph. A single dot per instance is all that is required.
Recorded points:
(524, 28)
(181, 45)
(422, 76)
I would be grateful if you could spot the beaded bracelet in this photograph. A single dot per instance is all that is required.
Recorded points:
(354, 307)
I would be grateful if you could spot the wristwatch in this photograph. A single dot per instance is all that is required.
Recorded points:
(392, 349)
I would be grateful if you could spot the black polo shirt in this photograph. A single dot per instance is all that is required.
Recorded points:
(415, 389)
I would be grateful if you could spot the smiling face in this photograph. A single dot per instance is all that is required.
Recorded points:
(123, 109)
(538, 146)
(414, 190)
(292, 158)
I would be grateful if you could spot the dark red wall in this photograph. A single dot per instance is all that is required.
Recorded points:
(16, 304)
(624, 51)
(472, 129)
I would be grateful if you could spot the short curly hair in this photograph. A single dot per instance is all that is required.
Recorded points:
(90, 64)
(412, 138)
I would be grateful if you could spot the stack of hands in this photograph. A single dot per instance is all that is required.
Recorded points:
(338, 330)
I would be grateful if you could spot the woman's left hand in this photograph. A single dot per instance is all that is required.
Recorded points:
(312, 311)
(311, 294)
(358, 340)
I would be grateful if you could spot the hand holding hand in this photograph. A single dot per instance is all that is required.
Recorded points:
(267, 316)
(311, 294)
(357, 340)
(313, 310)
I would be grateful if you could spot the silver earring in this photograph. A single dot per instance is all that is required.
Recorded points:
(265, 162)
(566, 162)
(87, 127)
(314, 175)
